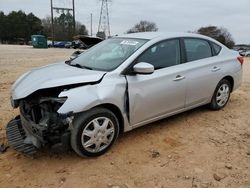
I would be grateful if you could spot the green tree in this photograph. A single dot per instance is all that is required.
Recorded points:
(220, 34)
(81, 29)
(46, 25)
(17, 25)
(34, 25)
(143, 26)
(3, 27)
(63, 27)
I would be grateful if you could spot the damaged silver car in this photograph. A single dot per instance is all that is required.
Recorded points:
(118, 85)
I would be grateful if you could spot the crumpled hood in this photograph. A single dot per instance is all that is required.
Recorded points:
(50, 76)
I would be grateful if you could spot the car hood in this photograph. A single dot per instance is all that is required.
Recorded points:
(50, 76)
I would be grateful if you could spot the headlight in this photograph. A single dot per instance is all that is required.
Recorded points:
(14, 103)
(53, 99)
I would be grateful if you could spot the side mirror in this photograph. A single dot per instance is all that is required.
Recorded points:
(143, 68)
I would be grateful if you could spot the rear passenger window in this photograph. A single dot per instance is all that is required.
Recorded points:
(197, 49)
(216, 48)
(163, 54)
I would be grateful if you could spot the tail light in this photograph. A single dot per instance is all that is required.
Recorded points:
(241, 60)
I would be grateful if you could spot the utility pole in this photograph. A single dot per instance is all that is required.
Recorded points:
(104, 26)
(52, 22)
(74, 19)
(61, 9)
(91, 24)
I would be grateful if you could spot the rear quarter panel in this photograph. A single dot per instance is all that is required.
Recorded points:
(231, 66)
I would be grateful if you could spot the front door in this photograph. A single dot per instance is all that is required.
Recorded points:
(155, 95)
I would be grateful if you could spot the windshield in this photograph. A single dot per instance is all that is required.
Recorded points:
(109, 54)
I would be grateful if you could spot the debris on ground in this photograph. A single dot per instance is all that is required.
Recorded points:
(248, 152)
(63, 170)
(229, 166)
(119, 186)
(219, 177)
(62, 179)
(155, 154)
(3, 148)
(204, 185)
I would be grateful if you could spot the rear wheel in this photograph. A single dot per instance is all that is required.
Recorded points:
(94, 132)
(221, 95)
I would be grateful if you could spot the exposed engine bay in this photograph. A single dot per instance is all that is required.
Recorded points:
(39, 123)
(45, 120)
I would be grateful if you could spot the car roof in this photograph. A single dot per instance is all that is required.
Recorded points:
(153, 35)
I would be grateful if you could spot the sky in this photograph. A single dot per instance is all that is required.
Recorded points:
(174, 15)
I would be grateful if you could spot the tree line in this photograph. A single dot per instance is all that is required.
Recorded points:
(17, 26)
(218, 33)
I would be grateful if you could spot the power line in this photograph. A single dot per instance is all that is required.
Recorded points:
(104, 26)
(57, 9)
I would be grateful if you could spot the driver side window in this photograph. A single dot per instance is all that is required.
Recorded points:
(163, 54)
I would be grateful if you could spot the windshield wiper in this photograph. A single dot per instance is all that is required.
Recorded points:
(77, 65)
(85, 67)
(68, 61)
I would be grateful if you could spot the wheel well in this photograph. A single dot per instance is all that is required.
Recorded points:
(231, 80)
(117, 112)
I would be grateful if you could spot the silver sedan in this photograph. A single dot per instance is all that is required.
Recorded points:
(118, 85)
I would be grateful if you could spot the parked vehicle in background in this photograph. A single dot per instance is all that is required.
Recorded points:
(80, 42)
(242, 52)
(120, 84)
(60, 44)
(49, 43)
(68, 45)
(247, 54)
(85, 42)
(77, 44)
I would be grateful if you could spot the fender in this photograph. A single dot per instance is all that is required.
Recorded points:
(86, 97)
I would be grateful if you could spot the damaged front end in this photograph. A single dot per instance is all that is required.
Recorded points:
(39, 124)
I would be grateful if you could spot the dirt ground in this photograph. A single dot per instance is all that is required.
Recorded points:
(185, 151)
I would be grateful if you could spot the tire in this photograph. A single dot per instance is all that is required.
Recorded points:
(223, 89)
(94, 132)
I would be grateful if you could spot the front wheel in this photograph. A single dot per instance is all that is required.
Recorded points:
(221, 95)
(94, 132)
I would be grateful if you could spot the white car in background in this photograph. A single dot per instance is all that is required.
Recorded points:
(247, 54)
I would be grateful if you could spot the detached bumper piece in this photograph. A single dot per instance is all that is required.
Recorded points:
(16, 136)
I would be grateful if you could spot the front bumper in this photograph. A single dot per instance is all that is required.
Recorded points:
(16, 137)
(26, 137)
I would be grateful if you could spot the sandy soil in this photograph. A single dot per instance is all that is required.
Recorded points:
(184, 151)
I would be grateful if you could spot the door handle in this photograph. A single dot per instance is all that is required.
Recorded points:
(215, 69)
(178, 78)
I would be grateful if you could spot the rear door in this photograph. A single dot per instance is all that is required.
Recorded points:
(152, 96)
(203, 71)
